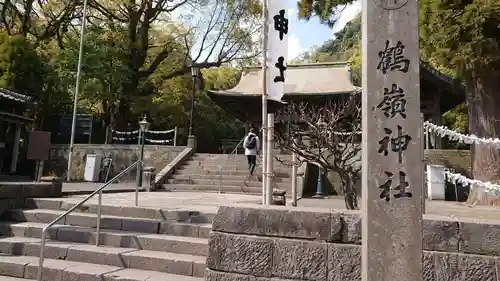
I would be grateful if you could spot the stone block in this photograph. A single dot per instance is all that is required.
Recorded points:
(75, 234)
(138, 212)
(36, 203)
(86, 220)
(440, 234)
(87, 272)
(45, 189)
(212, 275)
(97, 255)
(480, 237)
(180, 229)
(11, 190)
(276, 221)
(463, 267)
(52, 270)
(179, 245)
(351, 221)
(53, 250)
(295, 259)
(35, 230)
(140, 225)
(158, 261)
(429, 267)
(240, 254)
(14, 266)
(204, 231)
(477, 268)
(117, 239)
(13, 245)
(344, 262)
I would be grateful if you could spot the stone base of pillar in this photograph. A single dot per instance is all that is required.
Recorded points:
(192, 142)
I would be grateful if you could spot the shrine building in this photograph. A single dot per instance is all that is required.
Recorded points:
(12, 129)
(319, 82)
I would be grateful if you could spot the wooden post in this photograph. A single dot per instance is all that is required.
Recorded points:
(15, 149)
(392, 148)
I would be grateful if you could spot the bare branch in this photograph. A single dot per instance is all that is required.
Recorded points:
(327, 136)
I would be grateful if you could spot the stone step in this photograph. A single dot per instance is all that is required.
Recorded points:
(7, 278)
(245, 183)
(63, 270)
(187, 215)
(186, 170)
(225, 178)
(212, 188)
(109, 222)
(84, 219)
(179, 238)
(243, 165)
(182, 264)
(243, 168)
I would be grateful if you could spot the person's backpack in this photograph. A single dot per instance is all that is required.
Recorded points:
(251, 142)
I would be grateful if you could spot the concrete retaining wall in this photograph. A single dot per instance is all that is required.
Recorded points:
(13, 194)
(460, 160)
(281, 243)
(123, 156)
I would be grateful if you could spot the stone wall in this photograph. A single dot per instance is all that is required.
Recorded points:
(460, 160)
(271, 243)
(123, 156)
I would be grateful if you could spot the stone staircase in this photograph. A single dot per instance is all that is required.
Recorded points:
(136, 244)
(202, 173)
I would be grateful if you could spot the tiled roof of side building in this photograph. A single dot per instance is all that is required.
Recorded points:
(317, 79)
(4, 93)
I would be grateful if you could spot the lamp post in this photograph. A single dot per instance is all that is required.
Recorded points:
(143, 127)
(321, 172)
(195, 72)
(77, 90)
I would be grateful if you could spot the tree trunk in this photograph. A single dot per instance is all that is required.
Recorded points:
(350, 196)
(484, 121)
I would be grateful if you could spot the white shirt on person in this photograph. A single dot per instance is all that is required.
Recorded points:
(255, 150)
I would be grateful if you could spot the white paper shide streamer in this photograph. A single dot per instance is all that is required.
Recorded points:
(134, 134)
(458, 178)
(443, 131)
(277, 48)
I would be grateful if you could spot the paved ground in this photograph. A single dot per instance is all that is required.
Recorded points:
(86, 188)
(208, 202)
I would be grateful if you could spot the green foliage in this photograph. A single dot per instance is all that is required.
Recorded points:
(25, 70)
(21, 69)
(327, 11)
(461, 35)
(345, 39)
(347, 44)
(136, 60)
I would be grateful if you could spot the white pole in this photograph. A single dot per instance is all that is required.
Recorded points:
(264, 102)
(269, 160)
(77, 89)
(175, 136)
(294, 180)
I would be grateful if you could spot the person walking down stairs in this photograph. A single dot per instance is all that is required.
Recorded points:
(252, 147)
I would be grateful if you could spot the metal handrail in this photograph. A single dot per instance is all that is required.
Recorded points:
(98, 226)
(235, 151)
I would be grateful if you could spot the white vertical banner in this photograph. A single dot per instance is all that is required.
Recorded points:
(277, 48)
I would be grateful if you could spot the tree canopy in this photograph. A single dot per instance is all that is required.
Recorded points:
(137, 59)
(462, 39)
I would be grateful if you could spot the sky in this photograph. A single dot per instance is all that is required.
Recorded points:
(300, 37)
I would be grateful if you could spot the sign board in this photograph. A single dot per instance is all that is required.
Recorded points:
(83, 124)
(39, 146)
